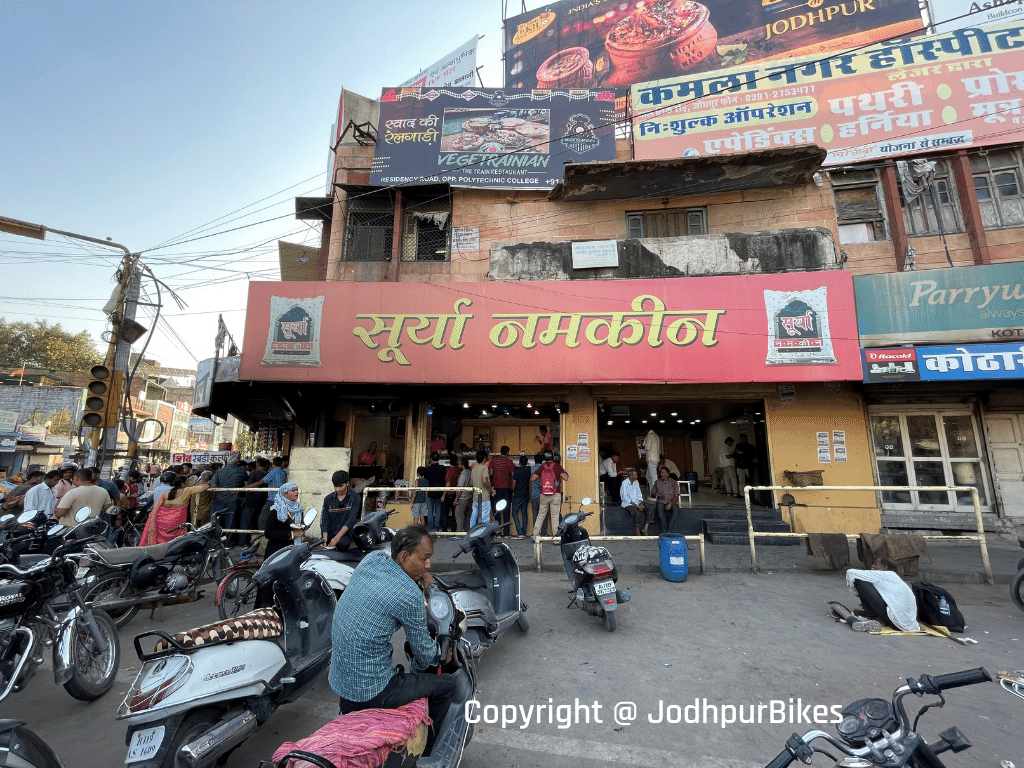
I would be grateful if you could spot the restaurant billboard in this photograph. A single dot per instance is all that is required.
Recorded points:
(953, 90)
(590, 43)
(493, 138)
(798, 326)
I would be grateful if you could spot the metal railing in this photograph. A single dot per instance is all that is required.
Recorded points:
(975, 499)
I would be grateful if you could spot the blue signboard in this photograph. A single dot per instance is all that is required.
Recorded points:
(963, 304)
(965, 362)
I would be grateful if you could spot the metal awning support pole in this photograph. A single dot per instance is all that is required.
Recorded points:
(750, 530)
(976, 500)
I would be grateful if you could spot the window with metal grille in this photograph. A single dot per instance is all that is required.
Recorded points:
(426, 231)
(929, 200)
(997, 185)
(370, 231)
(859, 210)
(672, 222)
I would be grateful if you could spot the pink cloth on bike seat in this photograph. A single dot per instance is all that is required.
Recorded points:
(364, 739)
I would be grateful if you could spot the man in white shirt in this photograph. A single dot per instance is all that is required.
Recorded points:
(884, 595)
(633, 503)
(652, 449)
(41, 497)
(611, 477)
(728, 465)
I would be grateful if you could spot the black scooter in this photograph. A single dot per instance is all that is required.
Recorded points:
(590, 569)
(490, 595)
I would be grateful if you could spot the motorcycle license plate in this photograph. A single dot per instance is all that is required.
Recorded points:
(145, 743)
(604, 587)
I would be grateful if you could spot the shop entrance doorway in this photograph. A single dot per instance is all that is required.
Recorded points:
(692, 435)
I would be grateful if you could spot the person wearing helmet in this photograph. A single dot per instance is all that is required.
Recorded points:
(66, 482)
(166, 481)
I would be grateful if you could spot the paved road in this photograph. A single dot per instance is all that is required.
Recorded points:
(732, 639)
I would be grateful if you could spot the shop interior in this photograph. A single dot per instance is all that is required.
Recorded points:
(692, 434)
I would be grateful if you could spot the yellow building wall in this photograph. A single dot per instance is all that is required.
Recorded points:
(583, 475)
(792, 443)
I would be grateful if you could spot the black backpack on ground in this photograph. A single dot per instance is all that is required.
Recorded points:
(937, 607)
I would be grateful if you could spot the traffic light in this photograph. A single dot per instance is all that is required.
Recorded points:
(103, 397)
(96, 397)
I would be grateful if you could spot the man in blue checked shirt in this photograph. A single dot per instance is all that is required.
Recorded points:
(385, 592)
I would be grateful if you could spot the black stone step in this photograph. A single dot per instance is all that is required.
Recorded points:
(741, 538)
(740, 526)
(736, 513)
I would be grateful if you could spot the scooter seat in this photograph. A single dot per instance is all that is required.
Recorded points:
(339, 557)
(467, 580)
(128, 555)
(260, 624)
(370, 737)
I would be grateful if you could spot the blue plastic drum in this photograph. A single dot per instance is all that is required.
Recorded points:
(692, 479)
(672, 556)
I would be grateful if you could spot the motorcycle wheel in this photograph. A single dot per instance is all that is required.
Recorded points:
(231, 604)
(1017, 589)
(107, 588)
(523, 623)
(94, 672)
(192, 727)
(609, 621)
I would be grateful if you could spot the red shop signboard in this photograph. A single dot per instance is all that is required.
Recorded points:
(797, 326)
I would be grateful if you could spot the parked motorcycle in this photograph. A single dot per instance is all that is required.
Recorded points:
(120, 580)
(445, 623)
(1017, 583)
(590, 569)
(125, 526)
(491, 594)
(86, 649)
(875, 732)
(336, 567)
(21, 747)
(192, 704)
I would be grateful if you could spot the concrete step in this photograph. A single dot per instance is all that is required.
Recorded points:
(736, 513)
(740, 526)
(741, 538)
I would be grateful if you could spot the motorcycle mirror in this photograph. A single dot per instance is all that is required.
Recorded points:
(586, 501)
(25, 517)
(309, 517)
(83, 514)
(501, 505)
(57, 529)
(6, 519)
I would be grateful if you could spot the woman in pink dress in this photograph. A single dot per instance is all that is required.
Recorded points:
(369, 456)
(170, 511)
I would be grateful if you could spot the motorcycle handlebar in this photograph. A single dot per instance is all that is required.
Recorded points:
(782, 760)
(937, 683)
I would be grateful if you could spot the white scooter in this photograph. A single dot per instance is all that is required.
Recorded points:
(368, 534)
(201, 693)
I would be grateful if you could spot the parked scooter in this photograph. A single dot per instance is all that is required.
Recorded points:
(875, 732)
(444, 622)
(590, 569)
(491, 594)
(336, 567)
(119, 580)
(192, 704)
(86, 650)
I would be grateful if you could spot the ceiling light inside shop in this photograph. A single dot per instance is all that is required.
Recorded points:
(662, 421)
(627, 421)
(674, 413)
(654, 414)
(610, 423)
(644, 421)
(465, 405)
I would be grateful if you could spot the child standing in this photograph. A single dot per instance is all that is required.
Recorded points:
(419, 501)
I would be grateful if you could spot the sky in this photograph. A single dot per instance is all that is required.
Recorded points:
(162, 126)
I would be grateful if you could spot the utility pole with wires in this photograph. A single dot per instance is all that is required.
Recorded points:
(111, 386)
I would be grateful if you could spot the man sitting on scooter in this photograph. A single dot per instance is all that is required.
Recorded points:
(340, 512)
(385, 592)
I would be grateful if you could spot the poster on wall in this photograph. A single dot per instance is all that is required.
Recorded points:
(840, 451)
(574, 44)
(501, 139)
(293, 337)
(824, 455)
(907, 96)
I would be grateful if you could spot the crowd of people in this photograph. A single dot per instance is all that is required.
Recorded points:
(524, 483)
